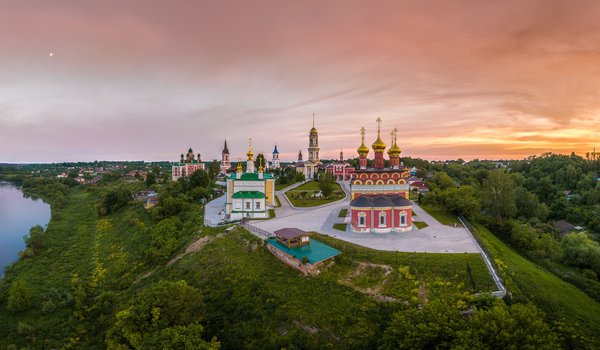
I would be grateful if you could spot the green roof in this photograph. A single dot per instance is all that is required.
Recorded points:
(251, 176)
(248, 194)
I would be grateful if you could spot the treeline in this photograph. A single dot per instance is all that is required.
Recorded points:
(520, 203)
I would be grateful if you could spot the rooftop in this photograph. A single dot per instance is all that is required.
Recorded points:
(290, 233)
(368, 201)
(315, 252)
(251, 176)
(248, 195)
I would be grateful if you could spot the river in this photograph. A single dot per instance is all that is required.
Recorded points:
(17, 215)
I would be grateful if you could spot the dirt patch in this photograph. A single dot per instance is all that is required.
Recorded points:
(423, 294)
(192, 248)
(375, 291)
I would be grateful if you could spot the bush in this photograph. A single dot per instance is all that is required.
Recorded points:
(113, 200)
(19, 297)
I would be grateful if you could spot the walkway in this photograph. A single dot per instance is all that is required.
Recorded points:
(212, 211)
(436, 238)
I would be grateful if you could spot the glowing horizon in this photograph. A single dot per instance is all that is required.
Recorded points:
(117, 80)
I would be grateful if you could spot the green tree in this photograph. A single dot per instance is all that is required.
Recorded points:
(150, 179)
(166, 315)
(441, 180)
(19, 297)
(35, 240)
(214, 169)
(500, 327)
(498, 195)
(114, 199)
(461, 201)
(326, 184)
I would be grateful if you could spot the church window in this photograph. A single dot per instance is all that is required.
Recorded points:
(362, 219)
(257, 205)
(382, 219)
(247, 205)
(403, 219)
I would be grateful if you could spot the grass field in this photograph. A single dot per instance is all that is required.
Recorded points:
(441, 215)
(343, 213)
(341, 227)
(309, 189)
(420, 224)
(557, 298)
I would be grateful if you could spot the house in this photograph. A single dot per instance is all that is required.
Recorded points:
(419, 186)
(564, 227)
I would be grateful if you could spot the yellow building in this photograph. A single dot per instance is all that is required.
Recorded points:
(249, 193)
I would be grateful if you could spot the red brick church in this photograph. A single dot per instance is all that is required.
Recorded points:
(380, 201)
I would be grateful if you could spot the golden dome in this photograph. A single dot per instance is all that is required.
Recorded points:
(378, 145)
(394, 151)
(313, 130)
(250, 154)
(363, 150)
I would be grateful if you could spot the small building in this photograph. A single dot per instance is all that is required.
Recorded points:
(341, 170)
(419, 187)
(294, 248)
(186, 166)
(292, 237)
(381, 214)
(250, 192)
(564, 227)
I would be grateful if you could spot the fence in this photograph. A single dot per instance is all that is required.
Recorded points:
(260, 233)
(485, 254)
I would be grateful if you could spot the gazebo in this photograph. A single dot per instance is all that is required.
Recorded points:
(292, 237)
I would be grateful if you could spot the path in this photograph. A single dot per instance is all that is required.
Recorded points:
(212, 210)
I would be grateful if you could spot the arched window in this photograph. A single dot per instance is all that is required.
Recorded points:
(382, 219)
(362, 219)
(379, 182)
(403, 219)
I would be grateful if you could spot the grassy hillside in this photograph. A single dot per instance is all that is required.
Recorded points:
(560, 300)
(92, 267)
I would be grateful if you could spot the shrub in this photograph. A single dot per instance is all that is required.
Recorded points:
(19, 297)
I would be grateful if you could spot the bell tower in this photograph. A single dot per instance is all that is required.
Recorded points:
(313, 144)
(225, 162)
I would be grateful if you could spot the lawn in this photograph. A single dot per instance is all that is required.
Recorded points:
(271, 213)
(341, 227)
(557, 298)
(309, 188)
(279, 187)
(441, 214)
(343, 213)
(420, 224)
(278, 201)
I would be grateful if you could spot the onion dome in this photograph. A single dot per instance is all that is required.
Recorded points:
(394, 151)
(275, 151)
(378, 145)
(363, 150)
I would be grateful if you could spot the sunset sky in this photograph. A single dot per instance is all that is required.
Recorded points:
(145, 80)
